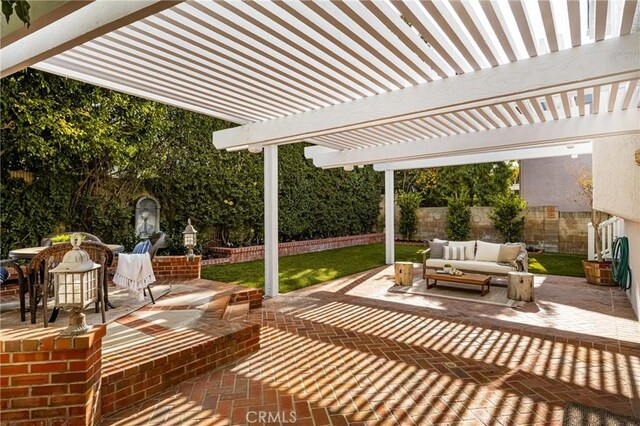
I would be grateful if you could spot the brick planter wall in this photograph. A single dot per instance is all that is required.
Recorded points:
(176, 267)
(123, 388)
(245, 254)
(173, 267)
(46, 377)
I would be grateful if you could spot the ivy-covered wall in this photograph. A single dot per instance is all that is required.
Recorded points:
(93, 152)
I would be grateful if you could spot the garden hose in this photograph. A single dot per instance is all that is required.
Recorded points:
(620, 263)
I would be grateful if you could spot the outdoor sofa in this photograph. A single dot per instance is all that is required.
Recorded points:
(479, 257)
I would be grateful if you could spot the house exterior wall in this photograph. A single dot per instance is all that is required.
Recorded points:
(553, 182)
(616, 190)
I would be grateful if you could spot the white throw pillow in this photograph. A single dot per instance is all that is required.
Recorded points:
(487, 252)
(453, 253)
(469, 248)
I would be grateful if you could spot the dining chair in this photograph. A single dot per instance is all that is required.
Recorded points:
(151, 245)
(46, 241)
(23, 287)
(41, 282)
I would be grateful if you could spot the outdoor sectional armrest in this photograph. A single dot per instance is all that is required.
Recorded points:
(424, 259)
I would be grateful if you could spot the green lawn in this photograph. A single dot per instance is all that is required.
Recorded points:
(557, 264)
(304, 270)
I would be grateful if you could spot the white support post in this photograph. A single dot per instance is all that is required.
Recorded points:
(389, 212)
(271, 220)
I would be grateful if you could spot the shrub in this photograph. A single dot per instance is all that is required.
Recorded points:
(458, 224)
(408, 202)
(508, 215)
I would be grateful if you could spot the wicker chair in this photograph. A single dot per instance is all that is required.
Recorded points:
(41, 284)
(22, 284)
(46, 241)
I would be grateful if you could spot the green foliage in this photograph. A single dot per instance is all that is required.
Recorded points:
(93, 152)
(21, 7)
(63, 238)
(479, 183)
(408, 202)
(508, 216)
(458, 224)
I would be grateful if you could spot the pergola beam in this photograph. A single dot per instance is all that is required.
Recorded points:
(84, 24)
(578, 148)
(548, 133)
(604, 62)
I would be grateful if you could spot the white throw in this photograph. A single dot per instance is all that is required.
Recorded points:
(134, 272)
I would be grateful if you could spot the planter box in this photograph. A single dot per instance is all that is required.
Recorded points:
(598, 273)
(179, 267)
(246, 254)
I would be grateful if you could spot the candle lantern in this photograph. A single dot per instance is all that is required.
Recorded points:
(189, 235)
(76, 285)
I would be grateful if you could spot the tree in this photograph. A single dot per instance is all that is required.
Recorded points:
(479, 183)
(458, 221)
(408, 202)
(584, 179)
(20, 7)
(508, 216)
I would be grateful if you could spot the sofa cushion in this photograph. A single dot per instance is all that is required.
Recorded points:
(471, 265)
(508, 253)
(487, 252)
(436, 246)
(453, 253)
(469, 248)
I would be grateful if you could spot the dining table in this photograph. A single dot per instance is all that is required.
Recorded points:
(29, 253)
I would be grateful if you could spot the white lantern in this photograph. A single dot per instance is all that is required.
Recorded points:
(189, 235)
(76, 285)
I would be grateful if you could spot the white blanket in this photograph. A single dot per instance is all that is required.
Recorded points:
(134, 272)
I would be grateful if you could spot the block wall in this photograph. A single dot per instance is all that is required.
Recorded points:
(545, 227)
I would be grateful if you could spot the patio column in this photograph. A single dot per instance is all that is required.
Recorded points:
(389, 222)
(271, 220)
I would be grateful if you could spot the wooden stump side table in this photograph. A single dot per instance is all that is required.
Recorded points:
(520, 286)
(404, 273)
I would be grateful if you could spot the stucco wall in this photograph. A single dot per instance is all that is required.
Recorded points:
(553, 182)
(616, 177)
(616, 190)
(633, 233)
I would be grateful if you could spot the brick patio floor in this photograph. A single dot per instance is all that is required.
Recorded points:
(348, 352)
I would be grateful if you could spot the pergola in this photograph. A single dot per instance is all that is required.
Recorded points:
(394, 83)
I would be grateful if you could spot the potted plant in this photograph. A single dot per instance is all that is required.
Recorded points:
(447, 268)
(597, 271)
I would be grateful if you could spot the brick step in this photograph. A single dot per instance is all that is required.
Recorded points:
(237, 312)
(172, 357)
(216, 308)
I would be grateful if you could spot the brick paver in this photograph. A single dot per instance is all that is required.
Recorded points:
(350, 353)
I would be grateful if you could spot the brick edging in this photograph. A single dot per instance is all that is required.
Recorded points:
(246, 254)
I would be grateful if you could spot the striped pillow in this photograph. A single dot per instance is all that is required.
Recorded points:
(453, 253)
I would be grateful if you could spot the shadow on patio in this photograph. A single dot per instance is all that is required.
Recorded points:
(337, 358)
